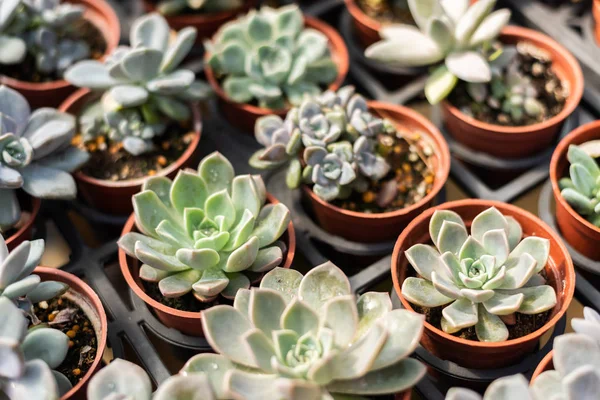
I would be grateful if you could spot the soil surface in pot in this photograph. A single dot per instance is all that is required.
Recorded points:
(410, 178)
(387, 11)
(536, 65)
(66, 316)
(27, 71)
(189, 10)
(184, 303)
(109, 161)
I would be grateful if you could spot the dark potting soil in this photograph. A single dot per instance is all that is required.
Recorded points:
(26, 70)
(187, 10)
(109, 161)
(66, 316)
(535, 64)
(387, 11)
(184, 303)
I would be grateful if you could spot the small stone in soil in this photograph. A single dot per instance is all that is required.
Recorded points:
(387, 11)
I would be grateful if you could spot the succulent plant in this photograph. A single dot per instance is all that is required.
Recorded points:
(451, 31)
(206, 232)
(175, 7)
(582, 189)
(35, 154)
(269, 56)
(484, 276)
(338, 135)
(296, 337)
(13, 49)
(507, 388)
(143, 87)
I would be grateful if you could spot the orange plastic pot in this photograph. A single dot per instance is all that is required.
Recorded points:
(484, 355)
(206, 24)
(31, 204)
(545, 365)
(115, 197)
(596, 13)
(51, 94)
(84, 296)
(366, 28)
(372, 228)
(580, 233)
(520, 141)
(184, 321)
(243, 115)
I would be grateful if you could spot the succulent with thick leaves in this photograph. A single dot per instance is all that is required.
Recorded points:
(582, 189)
(143, 87)
(35, 154)
(207, 232)
(484, 276)
(13, 48)
(507, 388)
(269, 56)
(175, 7)
(449, 31)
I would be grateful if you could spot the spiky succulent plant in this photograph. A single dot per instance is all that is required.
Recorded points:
(144, 90)
(42, 28)
(269, 55)
(175, 7)
(35, 154)
(484, 276)
(206, 232)
(582, 189)
(449, 31)
(296, 338)
(338, 134)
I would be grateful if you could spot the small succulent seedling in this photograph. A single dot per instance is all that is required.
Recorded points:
(484, 277)
(507, 388)
(35, 154)
(144, 90)
(207, 232)
(582, 189)
(175, 7)
(449, 31)
(269, 55)
(296, 338)
(38, 27)
(338, 134)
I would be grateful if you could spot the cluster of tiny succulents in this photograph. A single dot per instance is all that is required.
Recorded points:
(207, 232)
(175, 7)
(38, 27)
(144, 90)
(28, 355)
(294, 337)
(451, 33)
(269, 56)
(336, 136)
(582, 189)
(485, 277)
(35, 154)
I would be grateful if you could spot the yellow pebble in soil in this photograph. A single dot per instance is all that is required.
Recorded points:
(161, 160)
(71, 334)
(71, 343)
(429, 179)
(76, 372)
(76, 328)
(369, 197)
(51, 317)
(151, 172)
(406, 167)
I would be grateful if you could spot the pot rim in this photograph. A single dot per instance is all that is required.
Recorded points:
(87, 292)
(196, 19)
(36, 204)
(141, 293)
(576, 89)
(109, 14)
(437, 140)
(336, 43)
(82, 95)
(543, 365)
(557, 156)
(363, 18)
(570, 270)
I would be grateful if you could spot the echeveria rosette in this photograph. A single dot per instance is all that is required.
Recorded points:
(177, 7)
(35, 154)
(450, 34)
(207, 232)
(506, 388)
(479, 277)
(269, 55)
(582, 189)
(143, 87)
(330, 170)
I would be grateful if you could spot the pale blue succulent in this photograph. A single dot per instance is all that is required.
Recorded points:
(35, 154)
(13, 49)
(507, 388)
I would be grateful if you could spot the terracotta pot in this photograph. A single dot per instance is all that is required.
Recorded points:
(365, 27)
(580, 233)
(31, 204)
(51, 94)
(406, 395)
(115, 197)
(184, 321)
(84, 296)
(521, 141)
(545, 365)
(471, 353)
(596, 13)
(372, 228)
(205, 24)
(244, 116)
